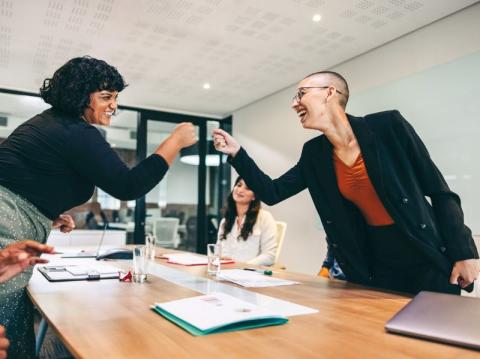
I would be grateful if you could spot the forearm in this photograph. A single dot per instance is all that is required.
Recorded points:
(168, 149)
(268, 190)
(129, 184)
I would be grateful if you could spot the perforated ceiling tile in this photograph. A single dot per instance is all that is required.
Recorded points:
(333, 35)
(377, 24)
(380, 10)
(269, 16)
(397, 2)
(412, 6)
(395, 15)
(348, 39)
(287, 21)
(363, 19)
(315, 3)
(6, 8)
(347, 14)
(167, 49)
(364, 4)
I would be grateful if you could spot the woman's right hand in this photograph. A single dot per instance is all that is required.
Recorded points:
(184, 134)
(225, 143)
(16, 257)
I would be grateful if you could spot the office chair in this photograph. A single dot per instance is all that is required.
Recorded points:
(166, 231)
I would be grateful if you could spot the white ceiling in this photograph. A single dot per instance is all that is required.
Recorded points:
(167, 49)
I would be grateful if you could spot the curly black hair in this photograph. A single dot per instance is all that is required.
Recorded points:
(71, 85)
(230, 213)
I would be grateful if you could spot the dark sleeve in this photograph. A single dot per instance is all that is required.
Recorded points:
(92, 157)
(445, 203)
(268, 190)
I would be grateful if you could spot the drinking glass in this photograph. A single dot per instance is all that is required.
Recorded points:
(214, 255)
(140, 264)
(150, 240)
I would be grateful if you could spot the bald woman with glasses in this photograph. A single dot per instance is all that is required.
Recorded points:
(368, 178)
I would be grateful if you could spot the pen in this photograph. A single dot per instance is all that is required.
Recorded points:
(262, 271)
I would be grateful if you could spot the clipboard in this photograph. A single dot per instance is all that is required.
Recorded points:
(67, 273)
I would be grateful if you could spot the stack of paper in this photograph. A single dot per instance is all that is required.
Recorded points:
(216, 313)
(188, 259)
(247, 278)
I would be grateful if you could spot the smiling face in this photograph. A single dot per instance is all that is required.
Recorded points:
(312, 105)
(242, 194)
(101, 108)
(318, 97)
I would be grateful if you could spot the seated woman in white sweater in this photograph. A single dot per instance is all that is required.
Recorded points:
(247, 233)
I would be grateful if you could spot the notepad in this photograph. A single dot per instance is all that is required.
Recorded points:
(187, 259)
(251, 279)
(217, 313)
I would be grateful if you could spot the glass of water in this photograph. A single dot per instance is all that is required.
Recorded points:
(214, 255)
(150, 240)
(140, 264)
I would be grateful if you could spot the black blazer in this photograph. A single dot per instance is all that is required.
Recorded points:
(402, 173)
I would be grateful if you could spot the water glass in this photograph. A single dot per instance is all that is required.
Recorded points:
(140, 264)
(214, 255)
(150, 240)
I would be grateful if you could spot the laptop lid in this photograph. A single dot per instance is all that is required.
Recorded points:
(88, 254)
(440, 317)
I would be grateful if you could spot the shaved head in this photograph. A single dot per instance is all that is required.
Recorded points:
(336, 80)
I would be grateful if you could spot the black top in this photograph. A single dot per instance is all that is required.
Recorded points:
(402, 173)
(56, 160)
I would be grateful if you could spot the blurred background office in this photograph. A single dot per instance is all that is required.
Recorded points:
(235, 65)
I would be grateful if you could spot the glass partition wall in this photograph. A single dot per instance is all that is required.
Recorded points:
(183, 210)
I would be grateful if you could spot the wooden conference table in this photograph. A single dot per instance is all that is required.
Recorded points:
(112, 319)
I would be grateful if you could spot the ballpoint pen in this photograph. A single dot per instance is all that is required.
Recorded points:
(262, 271)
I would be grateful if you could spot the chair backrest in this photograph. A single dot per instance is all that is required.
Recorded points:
(153, 213)
(281, 229)
(166, 231)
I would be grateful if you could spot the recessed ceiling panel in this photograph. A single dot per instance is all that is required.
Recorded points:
(168, 49)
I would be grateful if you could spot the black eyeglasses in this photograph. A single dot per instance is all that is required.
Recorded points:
(298, 96)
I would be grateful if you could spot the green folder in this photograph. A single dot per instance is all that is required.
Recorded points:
(230, 326)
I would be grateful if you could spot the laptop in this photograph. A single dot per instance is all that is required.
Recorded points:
(446, 318)
(88, 254)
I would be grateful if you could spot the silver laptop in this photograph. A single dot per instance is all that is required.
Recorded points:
(88, 254)
(440, 317)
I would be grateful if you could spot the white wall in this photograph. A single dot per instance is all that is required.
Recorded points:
(272, 135)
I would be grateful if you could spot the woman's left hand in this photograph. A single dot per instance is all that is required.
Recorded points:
(65, 222)
(465, 272)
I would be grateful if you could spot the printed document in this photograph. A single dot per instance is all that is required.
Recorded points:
(251, 279)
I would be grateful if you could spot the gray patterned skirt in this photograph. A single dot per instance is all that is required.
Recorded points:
(19, 219)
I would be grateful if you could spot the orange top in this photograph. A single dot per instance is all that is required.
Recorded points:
(355, 185)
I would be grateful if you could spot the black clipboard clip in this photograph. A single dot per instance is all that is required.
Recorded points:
(93, 275)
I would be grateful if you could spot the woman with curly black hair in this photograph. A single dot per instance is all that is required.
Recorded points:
(52, 163)
(247, 233)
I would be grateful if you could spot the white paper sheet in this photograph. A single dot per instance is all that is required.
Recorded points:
(86, 269)
(187, 259)
(251, 279)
